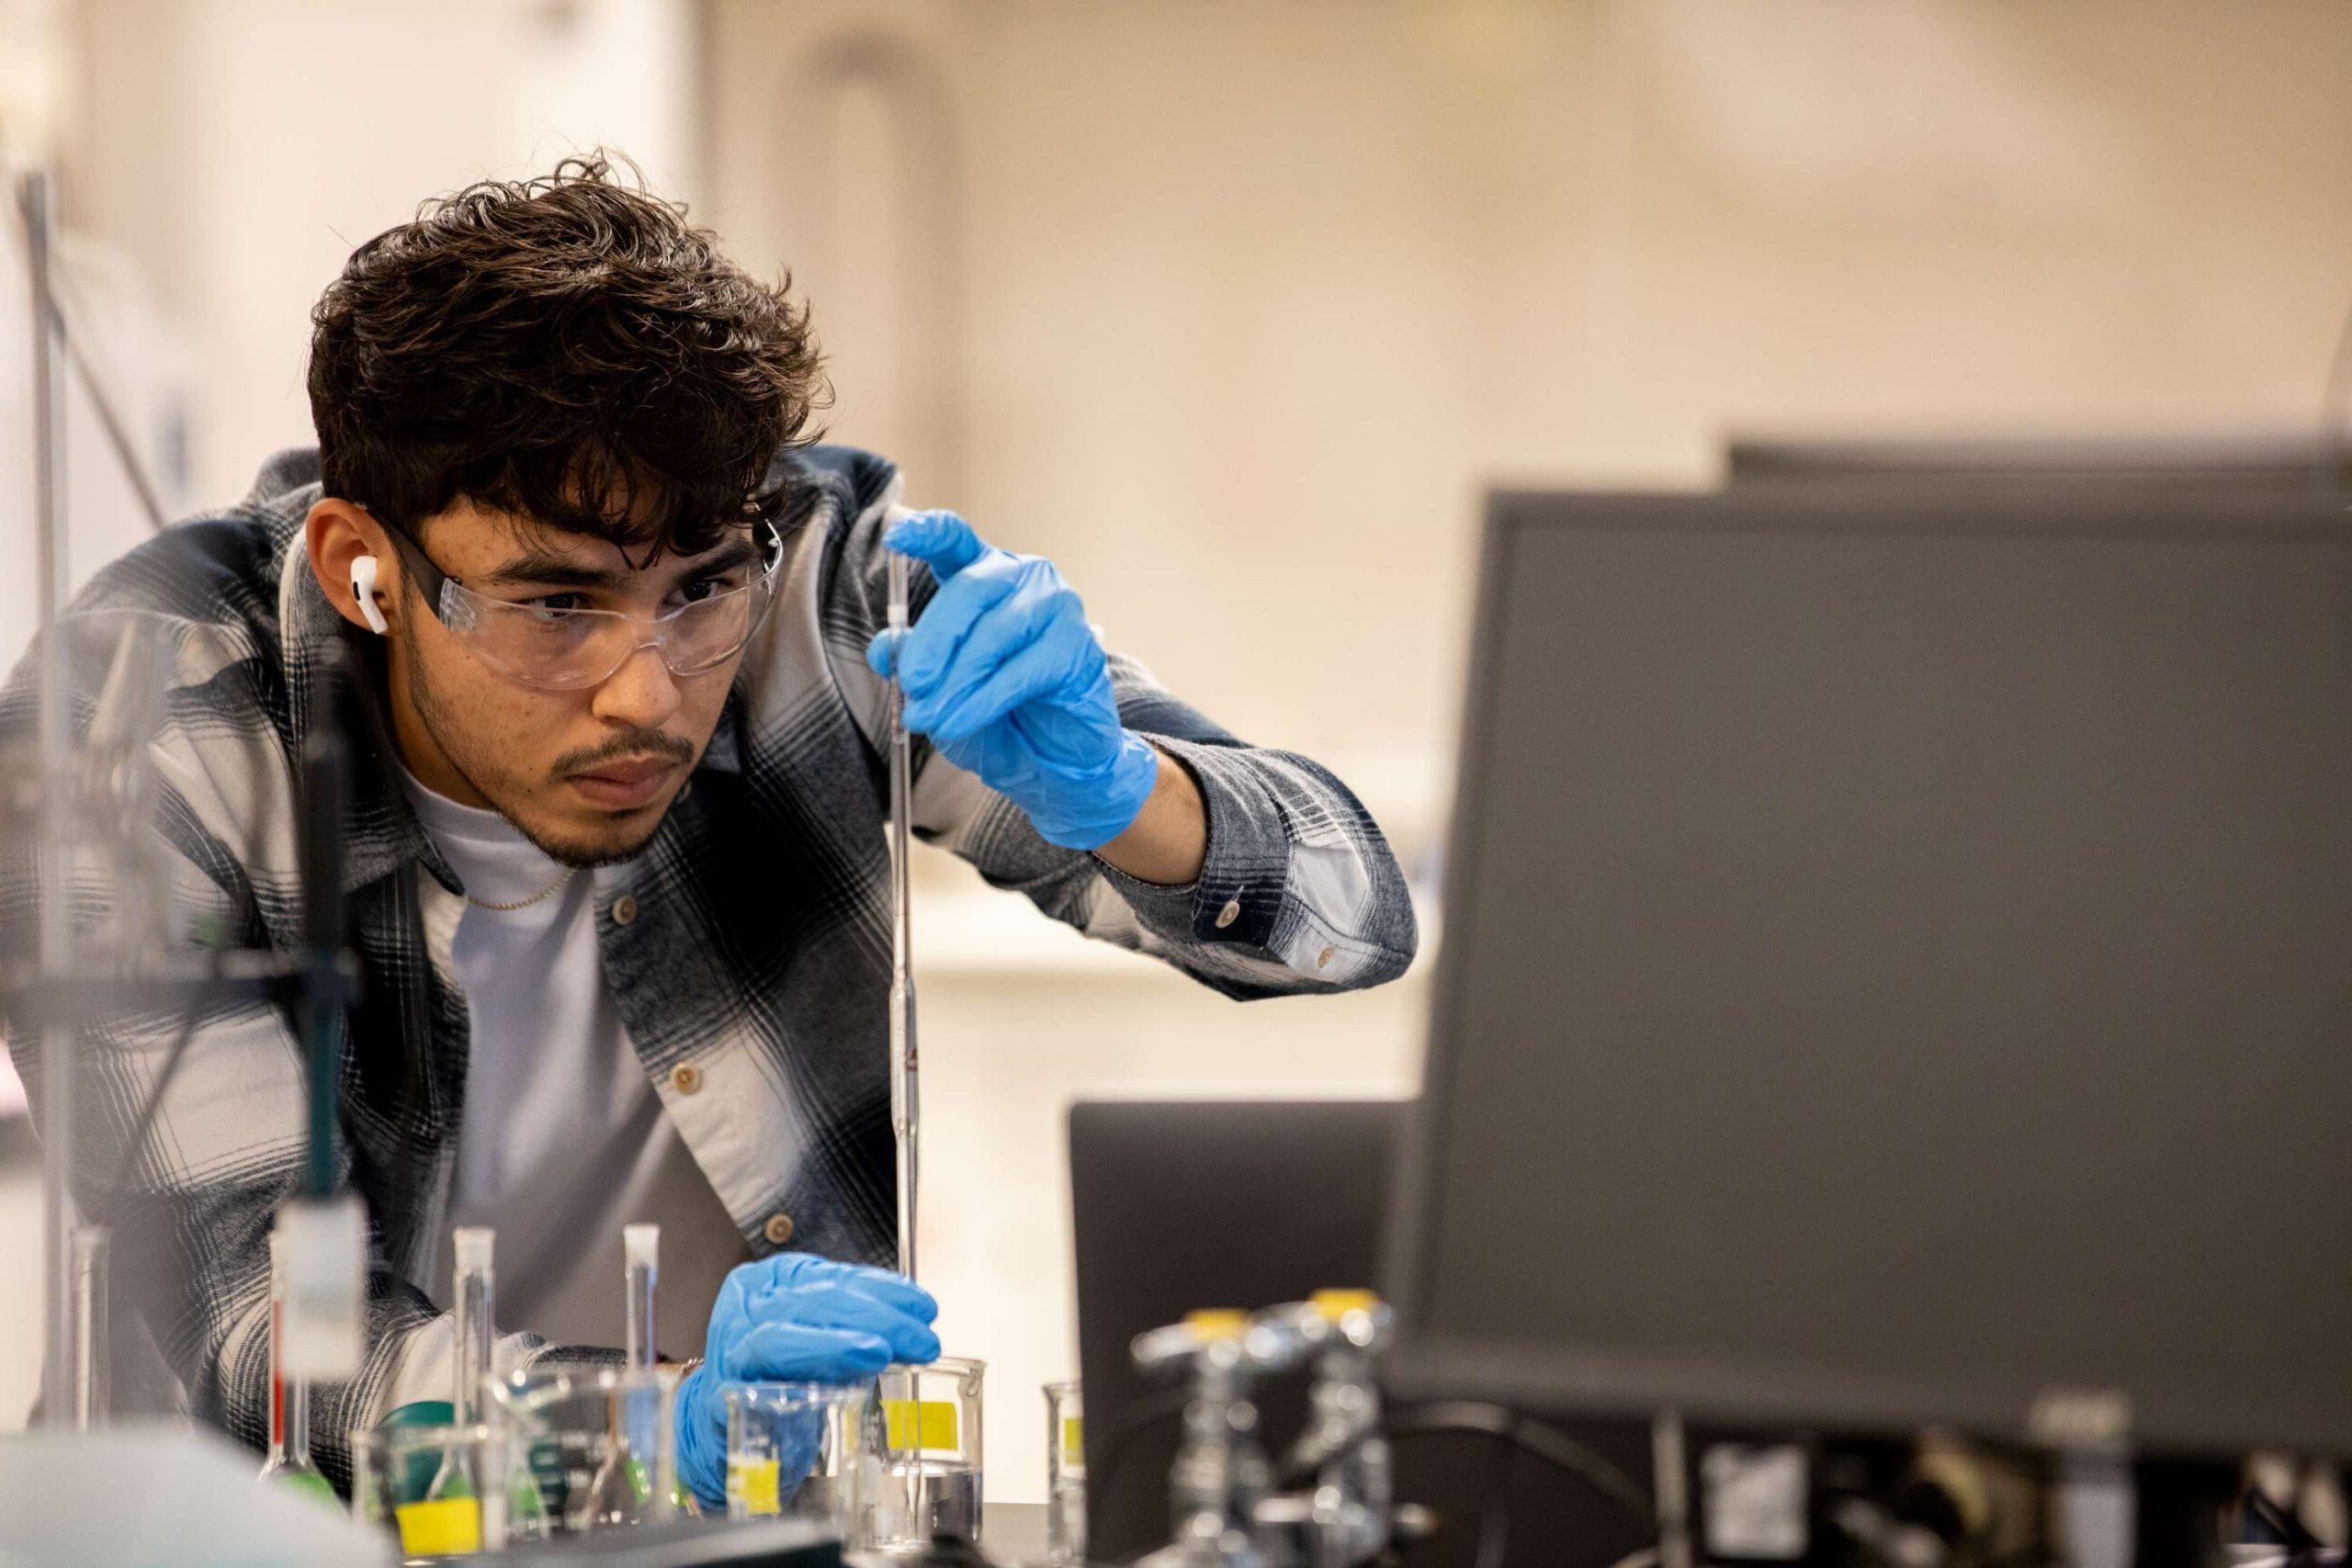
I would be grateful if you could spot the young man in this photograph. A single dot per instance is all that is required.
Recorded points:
(616, 856)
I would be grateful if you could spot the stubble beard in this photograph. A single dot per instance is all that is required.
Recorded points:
(579, 856)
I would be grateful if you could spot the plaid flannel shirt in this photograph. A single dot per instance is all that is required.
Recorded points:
(749, 938)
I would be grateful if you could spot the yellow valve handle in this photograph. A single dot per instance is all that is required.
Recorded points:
(445, 1528)
(1218, 1323)
(1331, 1303)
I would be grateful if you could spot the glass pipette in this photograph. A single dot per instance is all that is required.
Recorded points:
(905, 1113)
(905, 1117)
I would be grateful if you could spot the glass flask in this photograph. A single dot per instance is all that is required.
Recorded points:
(288, 1458)
(801, 1450)
(440, 1491)
(594, 1447)
(1065, 1475)
(926, 1430)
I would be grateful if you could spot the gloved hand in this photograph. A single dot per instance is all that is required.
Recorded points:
(794, 1317)
(1005, 676)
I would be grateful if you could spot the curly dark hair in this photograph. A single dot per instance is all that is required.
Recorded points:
(567, 349)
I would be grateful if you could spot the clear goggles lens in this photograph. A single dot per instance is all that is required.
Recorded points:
(556, 649)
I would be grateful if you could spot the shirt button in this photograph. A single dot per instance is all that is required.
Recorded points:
(1323, 959)
(1230, 913)
(624, 909)
(685, 1078)
(778, 1229)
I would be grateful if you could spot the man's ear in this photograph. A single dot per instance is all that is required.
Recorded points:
(339, 535)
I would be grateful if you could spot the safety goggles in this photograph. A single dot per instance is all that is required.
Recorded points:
(558, 649)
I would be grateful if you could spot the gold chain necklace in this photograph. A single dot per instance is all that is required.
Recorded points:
(548, 892)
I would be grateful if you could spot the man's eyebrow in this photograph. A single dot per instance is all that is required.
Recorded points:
(738, 551)
(543, 568)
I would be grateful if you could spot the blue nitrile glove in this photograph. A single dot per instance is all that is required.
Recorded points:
(1005, 676)
(794, 1317)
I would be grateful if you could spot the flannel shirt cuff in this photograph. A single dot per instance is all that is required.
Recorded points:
(1239, 894)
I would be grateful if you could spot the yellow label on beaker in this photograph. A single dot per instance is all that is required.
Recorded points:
(759, 1483)
(442, 1528)
(926, 1423)
(1074, 1440)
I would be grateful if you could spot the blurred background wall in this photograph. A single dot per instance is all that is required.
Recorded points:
(1233, 309)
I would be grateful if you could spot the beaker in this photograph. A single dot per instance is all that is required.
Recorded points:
(1065, 1475)
(800, 1449)
(596, 1445)
(929, 1484)
(436, 1489)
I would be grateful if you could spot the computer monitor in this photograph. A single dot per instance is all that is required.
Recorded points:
(1179, 1204)
(2252, 457)
(1898, 967)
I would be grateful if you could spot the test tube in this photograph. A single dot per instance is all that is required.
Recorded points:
(472, 1310)
(640, 1254)
(89, 1327)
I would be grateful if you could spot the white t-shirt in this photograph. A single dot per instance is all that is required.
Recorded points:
(563, 1140)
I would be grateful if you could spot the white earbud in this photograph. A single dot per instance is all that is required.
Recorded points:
(363, 588)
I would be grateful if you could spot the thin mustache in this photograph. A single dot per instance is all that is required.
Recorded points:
(632, 747)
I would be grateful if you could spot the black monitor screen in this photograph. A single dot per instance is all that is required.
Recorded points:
(1898, 964)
